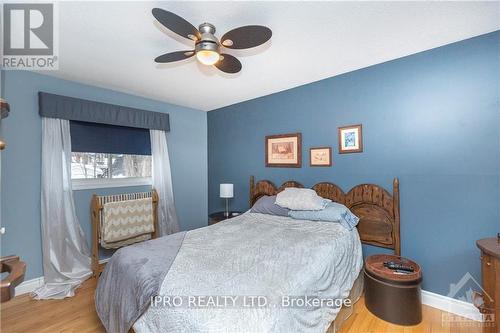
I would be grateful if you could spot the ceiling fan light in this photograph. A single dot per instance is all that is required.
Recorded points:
(207, 57)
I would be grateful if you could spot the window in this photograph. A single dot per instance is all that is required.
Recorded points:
(109, 156)
(110, 166)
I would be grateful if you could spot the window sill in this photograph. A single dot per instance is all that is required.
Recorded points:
(89, 184)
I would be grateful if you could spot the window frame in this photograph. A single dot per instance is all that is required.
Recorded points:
(95, 183)
(109, 133)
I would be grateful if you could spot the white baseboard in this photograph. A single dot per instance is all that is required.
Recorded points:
(452, 305)
(445, 303)
(29, 285)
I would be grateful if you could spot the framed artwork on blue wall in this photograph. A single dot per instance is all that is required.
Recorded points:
(320, 156)
(284, 150)
(350, 139)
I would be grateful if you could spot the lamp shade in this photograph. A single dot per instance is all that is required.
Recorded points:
(226, 190)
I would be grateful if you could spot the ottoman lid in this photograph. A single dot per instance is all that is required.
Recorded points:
(374, 266)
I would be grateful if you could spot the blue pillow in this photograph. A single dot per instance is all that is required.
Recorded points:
(266, 205)
(333, 212)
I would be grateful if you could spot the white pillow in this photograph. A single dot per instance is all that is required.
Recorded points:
(300, 199)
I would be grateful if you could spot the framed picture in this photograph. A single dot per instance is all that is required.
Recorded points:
(284, 150)
(320, 156)
(350, 139)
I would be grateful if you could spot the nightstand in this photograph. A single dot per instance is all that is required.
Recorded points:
(219, 216)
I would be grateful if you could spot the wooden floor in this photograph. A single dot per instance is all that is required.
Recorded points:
(77, 314)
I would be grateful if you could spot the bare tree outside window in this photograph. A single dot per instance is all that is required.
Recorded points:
(99, 165)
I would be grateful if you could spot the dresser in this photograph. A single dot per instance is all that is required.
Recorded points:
(490, 274)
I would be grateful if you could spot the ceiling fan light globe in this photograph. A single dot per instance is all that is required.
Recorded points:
(207, 57)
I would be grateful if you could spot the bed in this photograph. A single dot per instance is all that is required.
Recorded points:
(257, 270)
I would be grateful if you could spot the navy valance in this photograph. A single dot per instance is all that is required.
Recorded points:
(63, 107)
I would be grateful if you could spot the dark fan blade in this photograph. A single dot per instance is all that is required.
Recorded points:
(228, 64)
(176, 23)
(174, 56)
(246, 37)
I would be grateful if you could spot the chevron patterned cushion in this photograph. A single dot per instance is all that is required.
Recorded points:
(127, 219)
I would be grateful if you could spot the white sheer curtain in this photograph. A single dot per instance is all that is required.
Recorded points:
(162, 182)
(66, 257)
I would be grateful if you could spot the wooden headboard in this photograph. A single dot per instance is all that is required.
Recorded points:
(377, 209)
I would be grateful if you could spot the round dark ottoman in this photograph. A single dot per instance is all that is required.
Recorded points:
(391, 295)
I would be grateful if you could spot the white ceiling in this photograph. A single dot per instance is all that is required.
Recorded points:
(113, 44)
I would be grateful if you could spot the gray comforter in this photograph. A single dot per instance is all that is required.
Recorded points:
(133, 275)
(257, 255)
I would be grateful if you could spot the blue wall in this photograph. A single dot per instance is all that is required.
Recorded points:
(21, 161)
(432, 119)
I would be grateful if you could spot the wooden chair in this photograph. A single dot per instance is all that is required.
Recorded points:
(16, 269)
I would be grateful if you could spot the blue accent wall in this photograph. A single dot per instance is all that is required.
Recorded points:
(432, 119)
(20, 183)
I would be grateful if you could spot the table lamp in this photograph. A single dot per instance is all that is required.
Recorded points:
(226, 192)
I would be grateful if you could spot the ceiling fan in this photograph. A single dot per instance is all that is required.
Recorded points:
(208, 47)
